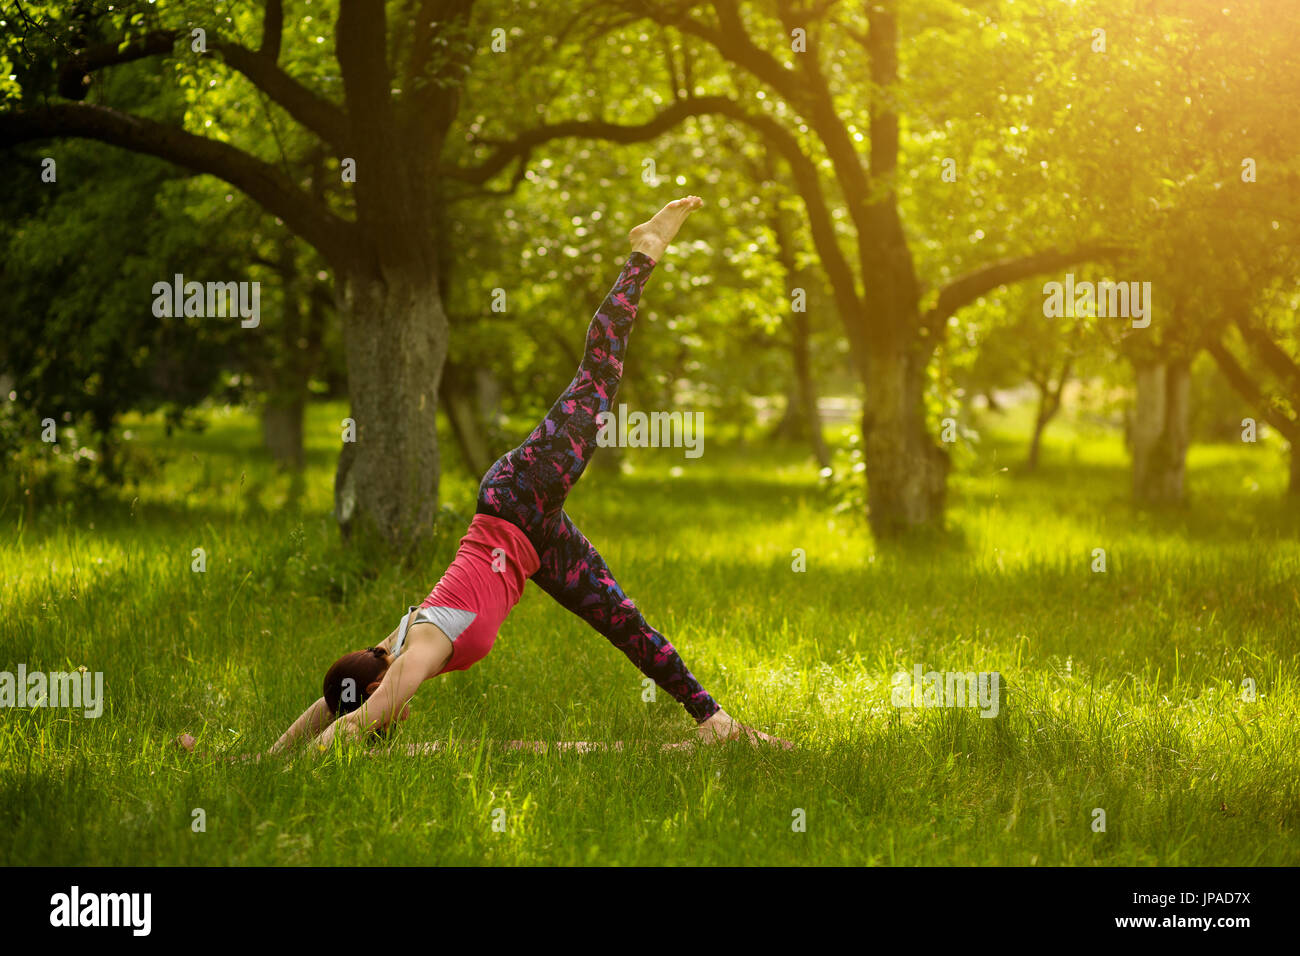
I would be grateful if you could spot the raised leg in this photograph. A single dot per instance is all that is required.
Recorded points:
(528, 485)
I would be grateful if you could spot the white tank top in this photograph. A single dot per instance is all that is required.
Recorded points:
(451, 621)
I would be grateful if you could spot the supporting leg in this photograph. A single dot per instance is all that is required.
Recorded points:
(575, 574)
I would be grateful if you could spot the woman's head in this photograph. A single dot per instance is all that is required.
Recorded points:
(353, 678)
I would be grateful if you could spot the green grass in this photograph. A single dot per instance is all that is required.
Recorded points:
(1121, 690)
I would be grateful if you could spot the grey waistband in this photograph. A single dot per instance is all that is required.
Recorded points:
(451, 621)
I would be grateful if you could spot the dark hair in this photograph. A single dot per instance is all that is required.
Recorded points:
(353, 678)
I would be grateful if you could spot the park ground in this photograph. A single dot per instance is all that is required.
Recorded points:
(1127, 691)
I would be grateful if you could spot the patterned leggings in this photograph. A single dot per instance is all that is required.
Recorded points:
(527, 486)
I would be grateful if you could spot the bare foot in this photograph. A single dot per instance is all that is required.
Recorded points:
(722, 726)
(652, 238)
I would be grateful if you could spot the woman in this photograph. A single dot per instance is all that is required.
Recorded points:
(520, 531)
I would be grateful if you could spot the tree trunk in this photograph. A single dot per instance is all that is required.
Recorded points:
(1161, 430)
(396, 334)
(1040, 425)
(460, 392)
(282, 429)
(907, 472)
(806, 391)
(287, 368)
(801, 420)
(1049, 403)
(487, 392)
(792, 423)
(103, 419)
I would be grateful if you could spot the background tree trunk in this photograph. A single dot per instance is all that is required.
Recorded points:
(282, 430)
(1040, 425)
(292, 362)
(1161, 430)
(801, 420)
(460, 392)
(806, 391)
(1049, 403)
(792, 423)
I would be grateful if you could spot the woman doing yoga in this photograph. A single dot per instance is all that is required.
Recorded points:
(520, 531)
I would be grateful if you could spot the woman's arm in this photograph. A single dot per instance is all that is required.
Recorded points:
(188, 743)
(313, 720)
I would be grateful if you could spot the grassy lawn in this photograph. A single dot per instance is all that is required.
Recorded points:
(1121, 691)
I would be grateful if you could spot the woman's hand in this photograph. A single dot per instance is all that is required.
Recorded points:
(722, 726)
(187, 742)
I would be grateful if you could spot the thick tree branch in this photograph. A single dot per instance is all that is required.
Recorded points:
(315, 112)
(507, 150)
(432, 85)
(885, 256)
(74, 75)
(1248, 389)
(969, 287)
(393, 205)
(733, 41)
(520, 174)
(1283, 366)
(729, 38)
(272, 30)
(820, 223)
(361, 44)
(259, 180)
(806, 90)
(809, 93)
(417, 60)
(834, 133)
(882, 47)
